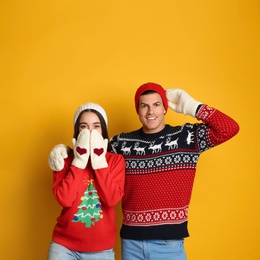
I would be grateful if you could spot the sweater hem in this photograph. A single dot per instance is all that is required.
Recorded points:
(164, 232)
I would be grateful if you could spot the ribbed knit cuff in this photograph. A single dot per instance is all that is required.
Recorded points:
(191, 107)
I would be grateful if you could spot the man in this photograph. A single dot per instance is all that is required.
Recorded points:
(160, 169)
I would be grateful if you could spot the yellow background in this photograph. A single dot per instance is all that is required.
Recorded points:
(56, 55)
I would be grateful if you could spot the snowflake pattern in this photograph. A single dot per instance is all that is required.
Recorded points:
(170, 162)
(160, 216)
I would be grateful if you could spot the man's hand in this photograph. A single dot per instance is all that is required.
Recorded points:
(181, 102)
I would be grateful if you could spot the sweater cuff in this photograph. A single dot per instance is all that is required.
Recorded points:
(198, 108)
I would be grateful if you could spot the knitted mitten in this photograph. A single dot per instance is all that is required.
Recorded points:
(57, 156)
(181, 102)
(81, 149)
(98, 149)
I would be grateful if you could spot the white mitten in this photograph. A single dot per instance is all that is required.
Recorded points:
(57, 156)
(181, 102)
(81, 149)
(98, 149)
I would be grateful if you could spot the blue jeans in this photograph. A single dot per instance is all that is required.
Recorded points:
(58, 252)
(153, 249)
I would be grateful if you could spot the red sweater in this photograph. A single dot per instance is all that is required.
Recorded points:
(87, 221)
(160, 171)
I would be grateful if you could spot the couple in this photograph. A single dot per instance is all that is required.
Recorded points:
(151, 169)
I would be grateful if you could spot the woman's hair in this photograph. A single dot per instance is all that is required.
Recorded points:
(102, 122)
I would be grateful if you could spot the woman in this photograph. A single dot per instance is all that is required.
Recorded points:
(88, 183)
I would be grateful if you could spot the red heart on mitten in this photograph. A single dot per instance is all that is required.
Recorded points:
(81, 150)
(98, 151)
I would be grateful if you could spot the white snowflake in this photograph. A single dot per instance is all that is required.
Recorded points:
(133, 218)
(202, 144)
(201, 133)
(195, 158)
(156, 216)
(140, 218)
(148, 217)
(173, 215)
(168, 160)
(159, 162)
(164, 215)
(133, 164)
(141, 165)
(177, 159)
(181, 214)
(186, 158)
(150, 163)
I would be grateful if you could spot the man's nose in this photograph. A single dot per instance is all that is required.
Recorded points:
(150, 110)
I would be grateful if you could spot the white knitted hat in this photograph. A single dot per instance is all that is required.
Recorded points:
(93, 106)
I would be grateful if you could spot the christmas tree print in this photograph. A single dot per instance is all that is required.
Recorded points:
(89, 211)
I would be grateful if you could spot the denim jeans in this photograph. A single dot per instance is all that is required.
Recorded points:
(58, 252)
(153, 249)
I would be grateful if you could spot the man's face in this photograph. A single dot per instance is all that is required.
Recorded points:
(151, 113)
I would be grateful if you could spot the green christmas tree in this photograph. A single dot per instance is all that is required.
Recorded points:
(89, 211)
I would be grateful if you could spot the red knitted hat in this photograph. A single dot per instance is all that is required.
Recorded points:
(154, 87)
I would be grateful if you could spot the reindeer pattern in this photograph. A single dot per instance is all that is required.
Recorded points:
(171, 141)
(175, 147)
